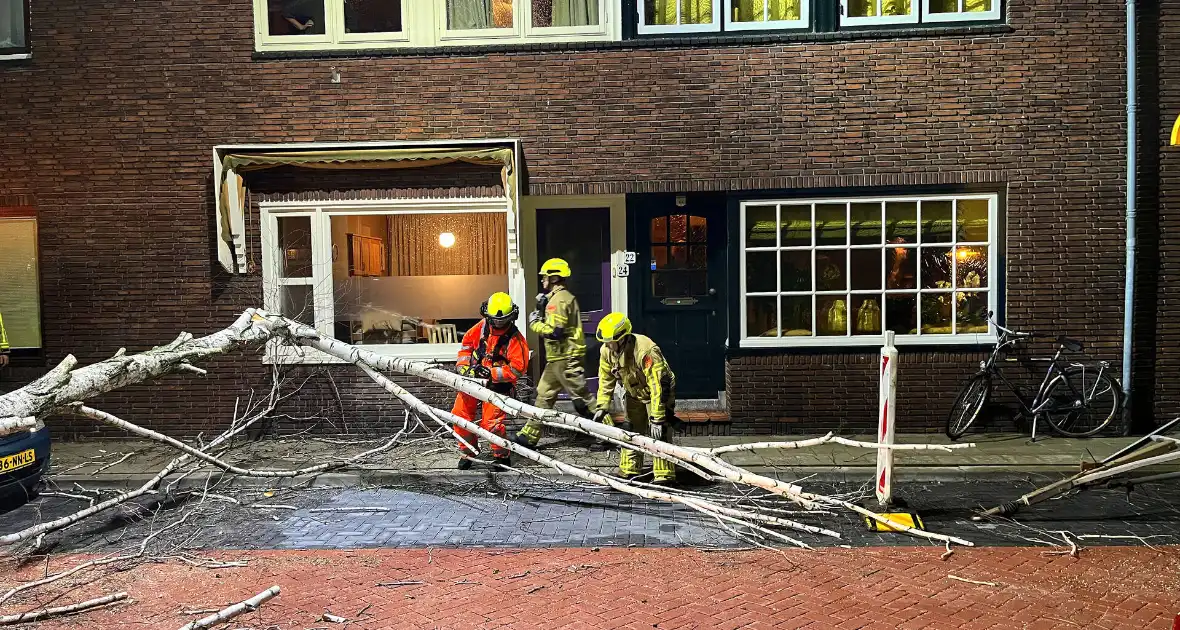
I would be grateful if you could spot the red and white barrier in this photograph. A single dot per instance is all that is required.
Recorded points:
(886, 420)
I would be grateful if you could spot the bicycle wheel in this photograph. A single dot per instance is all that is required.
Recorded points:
(1083, 400)
(968, 405)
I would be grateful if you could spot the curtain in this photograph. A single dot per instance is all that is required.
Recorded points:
(663, 12)
(12, 24)
(469, 14)
(575, 12)
(20, 302)
(754, 10)
(481, 244)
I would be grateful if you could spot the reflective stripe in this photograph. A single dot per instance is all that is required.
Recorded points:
(498, 374)
(515, 372)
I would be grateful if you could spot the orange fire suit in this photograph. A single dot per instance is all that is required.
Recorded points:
(505, 355)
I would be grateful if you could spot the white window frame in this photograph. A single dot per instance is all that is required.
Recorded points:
(321, 213)
(960, 15)
(846, 20)
(804, 20)
(22, 51)
(993, 288)
(424, 25)
(643, 28)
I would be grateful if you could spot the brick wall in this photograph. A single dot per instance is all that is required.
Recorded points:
(110, 131)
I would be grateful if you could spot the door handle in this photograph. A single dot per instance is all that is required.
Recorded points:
(712, 291)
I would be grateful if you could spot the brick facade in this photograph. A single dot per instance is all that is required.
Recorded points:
(109, 131)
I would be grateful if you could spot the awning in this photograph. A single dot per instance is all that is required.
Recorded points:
(231, 210)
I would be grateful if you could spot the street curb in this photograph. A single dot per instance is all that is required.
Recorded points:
(393, 478)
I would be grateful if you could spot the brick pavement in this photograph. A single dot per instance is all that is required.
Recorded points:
(1132, 588)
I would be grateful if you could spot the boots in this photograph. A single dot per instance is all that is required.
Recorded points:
(464, 464)
(500, 462)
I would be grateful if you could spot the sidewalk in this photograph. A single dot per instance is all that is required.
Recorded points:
(994, 456)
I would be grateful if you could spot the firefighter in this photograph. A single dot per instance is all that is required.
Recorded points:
(558, 321)
(649, 391)
(494, 350)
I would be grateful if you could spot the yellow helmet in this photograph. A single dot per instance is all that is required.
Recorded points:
(613, 327)
(499, 309)
(555, 267)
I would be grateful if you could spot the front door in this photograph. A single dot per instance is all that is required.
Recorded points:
(581, 236)
(679, 285)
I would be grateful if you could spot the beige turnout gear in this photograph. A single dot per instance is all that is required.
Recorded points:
(565, 353)
(649, 394)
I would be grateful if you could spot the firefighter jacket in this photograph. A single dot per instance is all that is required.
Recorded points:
(3, 336)
(642, 371)
(561, 327)
(505, 355)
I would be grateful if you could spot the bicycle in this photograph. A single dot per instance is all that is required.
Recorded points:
(1077, 400)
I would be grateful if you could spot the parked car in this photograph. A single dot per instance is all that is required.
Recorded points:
(24, 458)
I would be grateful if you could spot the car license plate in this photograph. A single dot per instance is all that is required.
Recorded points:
(10, 463)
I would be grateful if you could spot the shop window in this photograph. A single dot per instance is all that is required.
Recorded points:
(842, 271)
(408, 281)
(14, 34)
(20, 290)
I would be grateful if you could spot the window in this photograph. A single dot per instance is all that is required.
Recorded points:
(359, 24)
(842, 271)
(689, 16)
(20, 293)
(869, 12)
(14, 28)
(407, 278)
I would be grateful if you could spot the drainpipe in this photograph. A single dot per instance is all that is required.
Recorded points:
(1129, 292)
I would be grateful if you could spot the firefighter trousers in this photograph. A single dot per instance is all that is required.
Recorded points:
(563, 374)
(491, 420)
(631, 462)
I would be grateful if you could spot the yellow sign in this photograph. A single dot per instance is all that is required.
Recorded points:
(10, 463)
(907, 519)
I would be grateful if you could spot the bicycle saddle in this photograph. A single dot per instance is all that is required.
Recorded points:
(1073, 345)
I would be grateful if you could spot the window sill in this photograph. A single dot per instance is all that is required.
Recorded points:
(16, 57)
(908, 31)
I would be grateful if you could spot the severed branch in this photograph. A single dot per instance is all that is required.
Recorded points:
(230, 612)
(115, 421)
(9, 426)
(832, 438)
(46, 613)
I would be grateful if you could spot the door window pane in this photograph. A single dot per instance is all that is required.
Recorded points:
(20, 289)
(678, 228)
(659, 230)
(295, 17)
(548, 13)
(463, 15)
(295, 244)
(698, 229)
(372, 16)
(295, 302)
